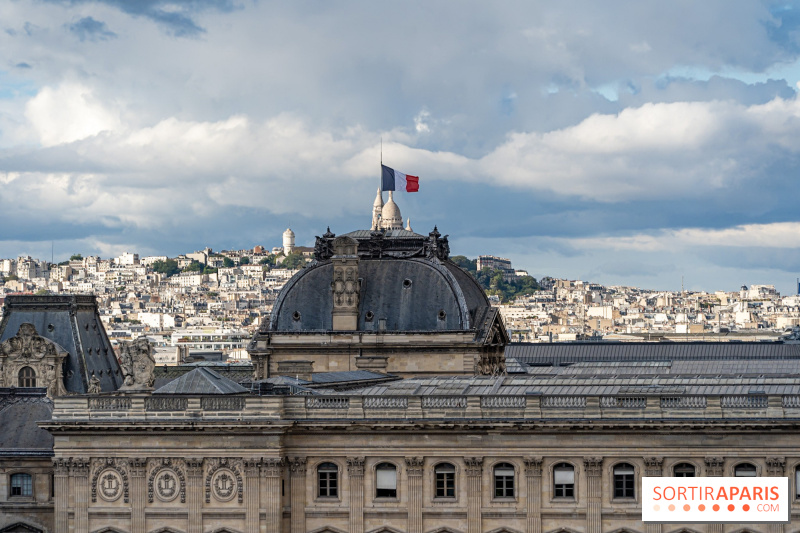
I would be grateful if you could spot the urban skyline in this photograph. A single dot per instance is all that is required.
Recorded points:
(636, 146)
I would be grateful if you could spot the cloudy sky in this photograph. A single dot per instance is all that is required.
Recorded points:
(631, 143)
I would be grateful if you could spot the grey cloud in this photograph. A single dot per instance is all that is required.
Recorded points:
(89, 29)
(23, 65)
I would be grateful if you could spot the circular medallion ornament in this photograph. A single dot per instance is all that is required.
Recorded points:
(109, 485)
(167, 486)
(224, 485)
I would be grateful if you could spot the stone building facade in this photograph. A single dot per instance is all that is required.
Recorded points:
(411, 456)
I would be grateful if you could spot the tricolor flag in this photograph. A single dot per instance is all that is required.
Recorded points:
(391, 178)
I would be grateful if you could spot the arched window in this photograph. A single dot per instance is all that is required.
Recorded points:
(745, 470)
(21, 485)
(386, 481)
(623, 481)
(27, 377)
(445, 480)
(504, 480)
(564, 481)
(328, 480)
(797, 482)
(684, 470)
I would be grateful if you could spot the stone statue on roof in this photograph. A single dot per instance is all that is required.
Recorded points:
(138, 364)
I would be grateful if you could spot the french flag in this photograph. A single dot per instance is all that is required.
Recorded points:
(391, 178)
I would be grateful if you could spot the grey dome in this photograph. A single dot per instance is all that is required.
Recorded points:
(414, 294)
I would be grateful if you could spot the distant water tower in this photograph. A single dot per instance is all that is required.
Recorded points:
(288, 241)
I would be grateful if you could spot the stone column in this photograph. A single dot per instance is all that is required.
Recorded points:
(137, 469)
(474, 471)
(533, 480)
(776, 467)
(653, 467)
(415, 468)
(594, 494)
(272, 470)
(297, 469)
(355, 471)
(194, 494)
(79, 469)
(61, 480)
(714, 468)
(251, 495)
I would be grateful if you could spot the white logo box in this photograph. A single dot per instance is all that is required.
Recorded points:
(714, 500)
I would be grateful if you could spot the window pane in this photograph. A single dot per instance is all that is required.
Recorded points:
(563, 475)
(504, 472)
(386, 478)
(745, 471)
(623, 470)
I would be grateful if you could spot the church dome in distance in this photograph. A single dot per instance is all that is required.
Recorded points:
(390, 215)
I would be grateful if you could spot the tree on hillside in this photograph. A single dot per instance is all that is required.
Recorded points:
(194, 266)
(269, 260)
(227, 262)
(244, 261)
(168, 267)
(294, 260)
(76, 257)
(470, 265)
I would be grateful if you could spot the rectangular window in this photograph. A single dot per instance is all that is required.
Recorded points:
(564, 482)
(386, 483)
(504, 483)
(623, 483)
(445, 482)
(21, 485)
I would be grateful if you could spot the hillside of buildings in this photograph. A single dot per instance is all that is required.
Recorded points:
(205, 305)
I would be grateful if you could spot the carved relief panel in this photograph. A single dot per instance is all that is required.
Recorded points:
(224, 480)
(166, 481)
(29, 360)
(109, 480)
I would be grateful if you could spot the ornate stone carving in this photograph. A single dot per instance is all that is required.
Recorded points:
(94, 385)
(28, 350)
(593, 466)
(109, 480)
(355, 466)
(533, 466)
(79, 466)
(714, 466)
(137, 467)
(223, 485)
(166, 480)
(653, 466)
(297, 465)
(345, 285)
(194, 466)
(251, 466)
(272, 466)
(61, 466)
(138, 364)
(776, 466)
(224, 479)
(473, 466)
(415, 465)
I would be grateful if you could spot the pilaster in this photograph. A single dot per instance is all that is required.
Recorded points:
(194, 494)
(414, 469)
(355, 471)
(137, 470)
(653, 467)
(474, 473)
(297, 471)
(272, 471)
(594, 493)
(533, 480)
(251, 494)
(776, 467)
(79, 470)
(61, 479)
(714, 468)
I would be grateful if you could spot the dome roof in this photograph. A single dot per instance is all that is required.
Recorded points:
(288, 232)
(414, 294)
(390, 215)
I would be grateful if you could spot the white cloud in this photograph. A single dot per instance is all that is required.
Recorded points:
(68, 113)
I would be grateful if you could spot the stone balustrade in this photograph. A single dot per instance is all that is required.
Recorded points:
(148, 407)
